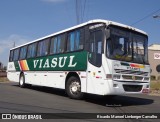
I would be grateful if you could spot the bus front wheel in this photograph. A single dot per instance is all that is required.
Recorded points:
(73, 88)
(22, 81)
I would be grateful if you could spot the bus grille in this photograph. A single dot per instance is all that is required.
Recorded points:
(132, 88)
(129, 77)
(131, 72)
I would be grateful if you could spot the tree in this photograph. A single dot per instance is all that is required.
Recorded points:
(5, 68)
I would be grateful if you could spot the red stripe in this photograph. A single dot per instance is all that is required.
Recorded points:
(134, 65)
(22, 65)
(98, 77)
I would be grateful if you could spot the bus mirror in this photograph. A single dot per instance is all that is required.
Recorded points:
(109, 38)
(158, 68)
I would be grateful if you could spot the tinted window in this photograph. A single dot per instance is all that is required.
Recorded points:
(32, 50)
(23, 52)
(127, 46)
(74, 41)
(57, 44)
(43, 48)
(11, 56)
(16, 54)
(96, 42)
(95, 46)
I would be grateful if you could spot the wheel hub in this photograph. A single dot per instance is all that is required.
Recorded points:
(75, 87)
(21, 81)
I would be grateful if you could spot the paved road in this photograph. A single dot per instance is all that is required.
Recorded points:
(14, 99)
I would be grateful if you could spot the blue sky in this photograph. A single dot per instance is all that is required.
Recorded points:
(25, 20)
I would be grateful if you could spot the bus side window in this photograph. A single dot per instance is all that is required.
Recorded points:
(75, 40)
(43, 47)
(57, 44)
(53, 48)
(71, 41)
(32, 50)
(11, 56)
(23, 52)
(62, 44)
(16, 54)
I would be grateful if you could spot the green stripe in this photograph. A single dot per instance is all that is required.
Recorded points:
(17, 66)
(124, 64)
(76, 61)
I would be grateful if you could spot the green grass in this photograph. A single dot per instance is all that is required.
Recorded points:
(155, 85)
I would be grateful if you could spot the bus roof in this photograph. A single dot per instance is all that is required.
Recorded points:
(107, 22)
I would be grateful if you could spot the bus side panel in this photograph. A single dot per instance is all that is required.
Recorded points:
(83, 79)
(55, 79)
(108, 83)
(46, 78)
(12, 74)
(96, 80)
(29, 77)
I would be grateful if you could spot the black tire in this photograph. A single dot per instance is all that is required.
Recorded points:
(22, 81)
(73, 88)
(108, 97)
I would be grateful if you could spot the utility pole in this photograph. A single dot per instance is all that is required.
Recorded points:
(14, 44)
(80, 6)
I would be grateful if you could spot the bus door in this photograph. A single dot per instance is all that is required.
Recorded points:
(95, 70)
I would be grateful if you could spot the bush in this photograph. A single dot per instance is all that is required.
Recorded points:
(153, 77)
(155, 85)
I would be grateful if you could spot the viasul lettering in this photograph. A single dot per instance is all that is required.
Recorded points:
(55, 62)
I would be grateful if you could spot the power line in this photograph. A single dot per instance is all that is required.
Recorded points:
(151, 14)
(80, 6)
(77, 11)
(83, 10)
(14, 44)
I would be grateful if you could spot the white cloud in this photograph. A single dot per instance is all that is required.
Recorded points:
(7, 43)
(54, 1)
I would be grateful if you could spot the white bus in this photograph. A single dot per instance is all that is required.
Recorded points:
(98, 57)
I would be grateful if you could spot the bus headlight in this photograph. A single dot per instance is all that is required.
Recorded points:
(147, 86)
(109, 76)
(146, 79)
(116, 76)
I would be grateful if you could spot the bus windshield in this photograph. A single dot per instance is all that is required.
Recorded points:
(127, 46)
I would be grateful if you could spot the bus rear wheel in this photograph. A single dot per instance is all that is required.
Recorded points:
(73, 88)
(22, 81)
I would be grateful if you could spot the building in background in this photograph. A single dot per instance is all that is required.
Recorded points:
(154, 59)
